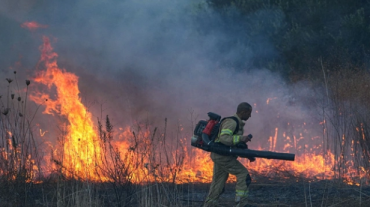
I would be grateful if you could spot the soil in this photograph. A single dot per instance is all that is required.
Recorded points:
(266, 192)
(294, 193)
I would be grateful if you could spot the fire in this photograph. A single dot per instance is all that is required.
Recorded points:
(142, 155)
(32, 26)
(197, 166)
(81, 148)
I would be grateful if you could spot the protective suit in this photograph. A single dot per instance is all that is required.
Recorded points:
(225, 165)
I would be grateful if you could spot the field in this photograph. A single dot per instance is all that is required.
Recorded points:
(151, 163)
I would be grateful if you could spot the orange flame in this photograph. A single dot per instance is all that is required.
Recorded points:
(81, 147)
(197, 165)
(140, 158)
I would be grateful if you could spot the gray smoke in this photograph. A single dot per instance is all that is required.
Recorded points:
(146, 60)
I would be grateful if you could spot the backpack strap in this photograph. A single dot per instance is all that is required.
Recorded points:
(236, 120)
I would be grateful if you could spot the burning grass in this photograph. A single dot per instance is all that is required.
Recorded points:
(143, 165)
(18, 147)
(145, 176)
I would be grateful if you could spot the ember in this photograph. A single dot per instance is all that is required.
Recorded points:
(32, 26)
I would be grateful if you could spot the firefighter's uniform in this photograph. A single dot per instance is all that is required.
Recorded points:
(225, 165)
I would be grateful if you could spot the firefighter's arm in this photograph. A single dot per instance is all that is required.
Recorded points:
(226, 134)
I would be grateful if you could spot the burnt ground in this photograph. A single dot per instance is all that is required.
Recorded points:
(266, 192)
(275, 192)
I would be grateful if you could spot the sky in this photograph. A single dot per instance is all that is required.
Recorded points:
(147, 60)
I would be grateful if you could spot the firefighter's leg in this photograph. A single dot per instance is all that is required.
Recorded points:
(242, 185)
(234, 167)
(217, 186)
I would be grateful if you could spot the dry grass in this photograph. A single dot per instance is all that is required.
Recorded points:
(19, 158)
(346, 111)
(345, 106)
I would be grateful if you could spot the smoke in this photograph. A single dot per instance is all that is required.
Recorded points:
(147, 60)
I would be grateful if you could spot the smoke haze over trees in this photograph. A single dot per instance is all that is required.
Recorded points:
(151, 59)
(289, 37)
(300, 33)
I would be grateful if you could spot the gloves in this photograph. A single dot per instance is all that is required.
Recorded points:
(243, 140)
(246, 139)
(241, 145)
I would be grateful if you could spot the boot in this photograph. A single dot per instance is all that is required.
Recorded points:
(241, 201)
(210, 203)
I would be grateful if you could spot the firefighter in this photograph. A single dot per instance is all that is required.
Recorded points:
(225, 165)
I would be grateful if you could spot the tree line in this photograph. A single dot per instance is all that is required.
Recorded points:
(292, 37)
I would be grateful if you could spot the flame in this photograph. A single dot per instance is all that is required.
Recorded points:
(197, 166)
(81, 148)
(159, 165)
(32, 26)
(141, 155)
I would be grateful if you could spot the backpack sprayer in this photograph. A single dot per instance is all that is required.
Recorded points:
(205, 133)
